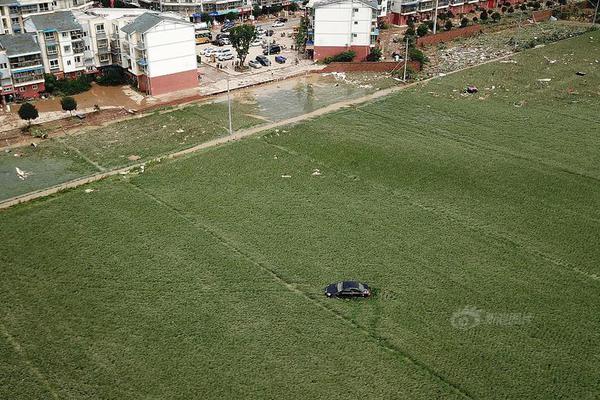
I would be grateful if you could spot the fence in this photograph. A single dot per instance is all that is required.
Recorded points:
(447, 36)
(382, 66)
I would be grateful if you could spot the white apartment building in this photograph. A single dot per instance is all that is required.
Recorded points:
(62, 41)
(340, 25)
(21, 67)
(14, 12)
(160, 53)
(193, 8)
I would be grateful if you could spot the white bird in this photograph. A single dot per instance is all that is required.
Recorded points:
(22, 174)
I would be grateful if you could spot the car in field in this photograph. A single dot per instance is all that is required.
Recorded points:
(277, 24)
(254, 64)
(280, 59)
(225, 57)
(272, 49)
(348, 289)
(263, 60)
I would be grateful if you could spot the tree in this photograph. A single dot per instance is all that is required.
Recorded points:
(483, 16)
(422, 30)
(448, 25)
(496, 16)
(302, 35)
(375, 54)
(28, 112)
(68, 104)
(415, 54)
(464, 22)
(241, 36)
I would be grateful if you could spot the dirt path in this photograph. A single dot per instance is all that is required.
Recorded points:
(222, 140)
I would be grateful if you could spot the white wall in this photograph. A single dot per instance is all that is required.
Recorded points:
(170, 48)
(339, 25)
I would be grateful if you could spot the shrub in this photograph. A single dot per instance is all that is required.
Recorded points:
(537, 5)
(523, 7)
(68, 104)
(112, 76)
(346, 56)
(483, 16)
(375, 54)
(67, 87)
(450, 14)
(429, 24)
(496, 16)
(504, 9)
(475, 19)
(415, 54)
(422, 30)
(448, 26)
(511, 10)
(464, 22)
(28, 112)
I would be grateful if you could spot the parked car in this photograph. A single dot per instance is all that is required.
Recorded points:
(277, 24)
(282, 19)
(223, 35)
(280, 59)
(272, 49)
(263, 60)
(348, 289)
(208, 51)
(270, 32)
(255, 64)
(255, 43)
(225, 57)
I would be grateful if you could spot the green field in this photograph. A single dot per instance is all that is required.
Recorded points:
(203, 277)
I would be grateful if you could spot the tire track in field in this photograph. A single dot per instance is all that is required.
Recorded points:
(380, 341)
(457, 218)
(32, 368)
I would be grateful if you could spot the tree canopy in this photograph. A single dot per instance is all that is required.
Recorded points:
(241, 36)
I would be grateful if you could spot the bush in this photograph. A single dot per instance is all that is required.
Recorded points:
(448, 26)
(475, 19)
(67, 87)
(415, 54)
(483, 16)
(464, 22)
(346, 56)
(511, 10)
(27, 112)
(112, 76)
(450, 14)
(523, 7)
(496, 16)
(68, 104)
(375, 54)
(504, 9)
(422, 30)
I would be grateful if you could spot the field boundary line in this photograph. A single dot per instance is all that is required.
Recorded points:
(380, 341)
(27, 197)
(33, 369)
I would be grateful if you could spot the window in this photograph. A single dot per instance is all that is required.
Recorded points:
(77, 59)
(87, 48)
(44, 7)
(22, 89)
(355, 10)
(54, 4)
(354, 35)
(53, 64)
(3, 65)
(51, 49)
(49, 35)
(103, 58)
(68, 62)
(34, 87)
(100, 28)
(67, 49)
(355, 22)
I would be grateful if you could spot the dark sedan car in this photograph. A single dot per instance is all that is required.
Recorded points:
(348, 289)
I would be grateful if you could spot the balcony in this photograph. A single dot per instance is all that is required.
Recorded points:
(101, 34)
(78, 49)
(104, 50)
(426, 6)
(28, 78)
(408, 9)
(443, 3)
(457, 2)
(26, 64)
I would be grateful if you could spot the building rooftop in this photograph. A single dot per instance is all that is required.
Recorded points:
(147, 21)
(19, 44)
(58, 21)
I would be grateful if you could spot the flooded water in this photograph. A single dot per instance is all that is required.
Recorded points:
(293, 97)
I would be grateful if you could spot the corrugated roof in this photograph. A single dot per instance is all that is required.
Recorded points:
(59, 21)
(18, 44)
(147, 21)
(321, 3)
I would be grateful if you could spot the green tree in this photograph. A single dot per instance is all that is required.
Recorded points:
(28, 112)
(422, 29)
(448, 25)
(302, 35)
(496, 16)
(69, 104)
(464, 22)
(483, 16)
(241, 36)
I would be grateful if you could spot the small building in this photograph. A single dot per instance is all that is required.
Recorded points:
(341, 25)
(423, 10)
(160, 53)
(13, 13)
(21, 67)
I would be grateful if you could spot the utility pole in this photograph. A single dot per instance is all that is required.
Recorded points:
(437, 2)
(229, 108)
(405, 59)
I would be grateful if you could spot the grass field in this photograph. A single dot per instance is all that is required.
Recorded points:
(203, 277)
